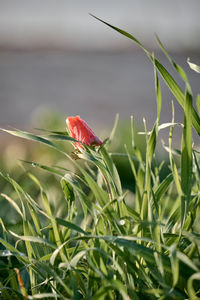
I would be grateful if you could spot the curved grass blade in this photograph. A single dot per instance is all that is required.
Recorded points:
(178, 68)
(21, 256)
(98, 162)
(52, 131)
(13, 203)
(61, 137)
(85, 202)
(33, 239)
(71, 226)
(198, 103)
(112, 169)
(112, 134)
(169, 80)
(29, 136)
(163, 186)
(41, 139)
(191, 291)
(67, 190)
(193, 66)
(44, 167)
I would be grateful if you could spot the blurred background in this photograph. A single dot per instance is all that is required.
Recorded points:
(55, 57)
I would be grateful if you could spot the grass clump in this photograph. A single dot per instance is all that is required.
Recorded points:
(100, 239)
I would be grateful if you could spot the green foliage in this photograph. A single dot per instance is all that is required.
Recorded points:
(83, 233)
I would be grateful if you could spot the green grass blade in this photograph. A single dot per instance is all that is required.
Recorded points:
(45, 295)
(29, 136)
(193, 66)
(191, 291)
(175, 265)
(52, 170)
(21, 256)
(56, 230)
(112, 169)
(61, 137)
(163, 186)
(178, 68)
(70, 226)
(151, 145)
(52, 131)
(112, 134)
(186, 157)
(67, 190)
(171, 83)
(100, 195)
(198, 103)
(13, 203)
(85, 201)
(158, 94)
(122, 32)
(33, 239)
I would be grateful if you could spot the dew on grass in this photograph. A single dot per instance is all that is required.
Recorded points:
(121, 222)
(6, 253)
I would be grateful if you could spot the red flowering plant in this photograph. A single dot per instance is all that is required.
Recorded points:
(80, 131)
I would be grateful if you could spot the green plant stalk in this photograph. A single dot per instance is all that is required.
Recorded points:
(171, 83)
(186, 158)
(30, 256)
(56, 231)
(107, 185)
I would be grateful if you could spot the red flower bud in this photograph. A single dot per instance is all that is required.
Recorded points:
(80, 131)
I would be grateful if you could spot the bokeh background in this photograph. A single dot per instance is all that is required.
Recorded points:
(55, 57)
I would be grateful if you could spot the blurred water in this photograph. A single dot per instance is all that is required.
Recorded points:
(95, 85)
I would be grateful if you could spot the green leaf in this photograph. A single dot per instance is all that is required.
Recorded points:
(186, 156)
(52, 131)
(13, 203)
(61, 137)
(151, 145)
(100, 195)
(163, 186)
(33, 239)
(193, 66)
(198, 103)
(56, 229)
(29, 136)
(175, 265)
(171, 83)
(67, 190)
(178, 68)
(45, 295)
(112, 134)
(112, 169)
(86, 203)
(52, 170)
(8, 246)
(71, 226)
(191, 291)
(158, 92)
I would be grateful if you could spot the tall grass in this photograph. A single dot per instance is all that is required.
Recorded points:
(102, 241)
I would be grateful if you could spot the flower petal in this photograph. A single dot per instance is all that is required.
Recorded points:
(80, 131)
